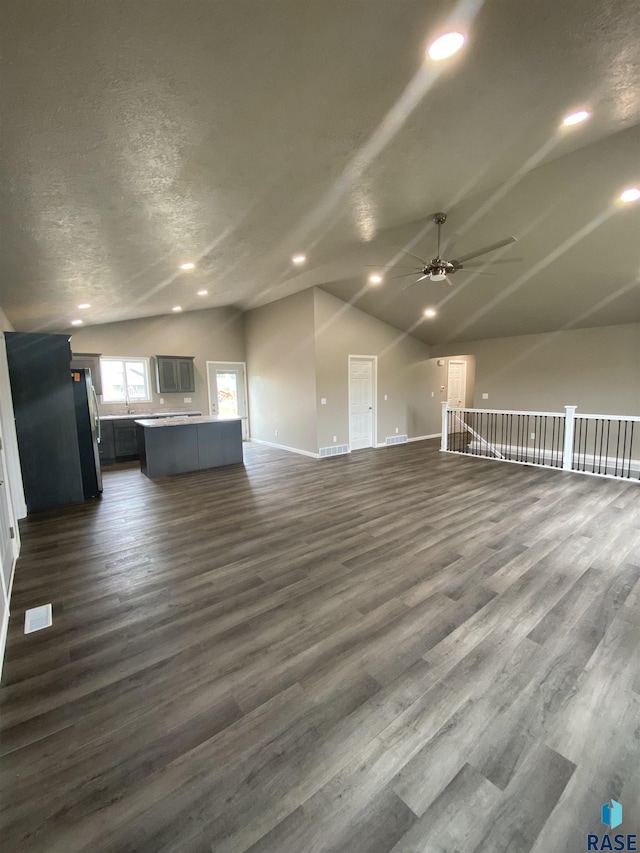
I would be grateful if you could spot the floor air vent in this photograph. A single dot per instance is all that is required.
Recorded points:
(396, 439)
(334, 450)
(38, 618)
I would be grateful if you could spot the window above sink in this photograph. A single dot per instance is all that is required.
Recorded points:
(125, 380)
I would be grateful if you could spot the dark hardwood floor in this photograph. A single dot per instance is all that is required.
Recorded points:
(397, 650)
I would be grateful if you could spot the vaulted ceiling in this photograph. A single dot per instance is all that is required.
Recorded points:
(140, 135)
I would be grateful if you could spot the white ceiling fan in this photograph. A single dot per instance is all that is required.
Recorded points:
(438, 268)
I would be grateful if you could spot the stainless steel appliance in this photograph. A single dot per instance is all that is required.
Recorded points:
(88, 427)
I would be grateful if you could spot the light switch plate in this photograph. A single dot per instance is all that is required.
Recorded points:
(187, 399)
(323, 401)
(485, 396)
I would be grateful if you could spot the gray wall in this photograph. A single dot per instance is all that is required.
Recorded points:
(596, 369)
(281, 371)
(213, 334)
(404, 373)
(5, 325)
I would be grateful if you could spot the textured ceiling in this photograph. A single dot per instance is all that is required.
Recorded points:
(137, 136)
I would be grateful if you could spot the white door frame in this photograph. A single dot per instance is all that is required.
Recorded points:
(8, 520)
(464, 379)
(243, 365)
(374, 395)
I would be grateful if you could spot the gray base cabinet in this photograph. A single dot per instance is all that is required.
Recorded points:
(107, 445)
(118, 441)
(124, 439)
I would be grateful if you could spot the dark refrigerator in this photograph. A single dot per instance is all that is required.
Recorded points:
(88, 428)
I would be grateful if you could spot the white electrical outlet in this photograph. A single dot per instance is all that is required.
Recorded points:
(276, 433)
(323, 401)
(335, 438)
(397, 430)
(485, 396)
(533, 435)
(433, 393)
(187, 399)
(385, 396)
(162, 401)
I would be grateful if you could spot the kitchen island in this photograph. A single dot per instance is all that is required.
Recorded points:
(178, 445)
(118, 439)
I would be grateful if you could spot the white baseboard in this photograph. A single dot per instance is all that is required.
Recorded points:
(285, 447)
(416, 438)
(317, 455)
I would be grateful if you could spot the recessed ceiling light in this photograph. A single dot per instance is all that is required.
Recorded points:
(299, 259)
(76, 322)
(177, 308)
(375, 278)
(202, 292)
(575, 118)
(84, 305)
(430, 312)
(446, 45)
(188, 266)
(632, 194)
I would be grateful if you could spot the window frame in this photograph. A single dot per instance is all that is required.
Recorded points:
(123, 359)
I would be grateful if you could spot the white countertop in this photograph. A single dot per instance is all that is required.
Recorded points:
(136, 415)
(169, 422)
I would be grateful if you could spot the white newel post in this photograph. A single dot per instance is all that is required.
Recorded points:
(569, 432)
(444, 439)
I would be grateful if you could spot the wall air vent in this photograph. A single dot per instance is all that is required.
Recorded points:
(396, 439)
(334, 450)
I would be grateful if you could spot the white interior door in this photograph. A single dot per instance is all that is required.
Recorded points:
(227, 383)
(457, 383)
(361, 401)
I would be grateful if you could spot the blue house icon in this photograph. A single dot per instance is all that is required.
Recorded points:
(612, 814)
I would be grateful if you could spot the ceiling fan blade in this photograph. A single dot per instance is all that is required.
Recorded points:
(417, 257)
(492, 248)
(476, 272)
(405, 274)
(492, 263)
(422, 277)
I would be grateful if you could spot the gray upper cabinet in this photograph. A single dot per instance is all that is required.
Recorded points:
(175, 374)
(80, 360)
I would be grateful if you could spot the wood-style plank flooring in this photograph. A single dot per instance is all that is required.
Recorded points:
(397, 650)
